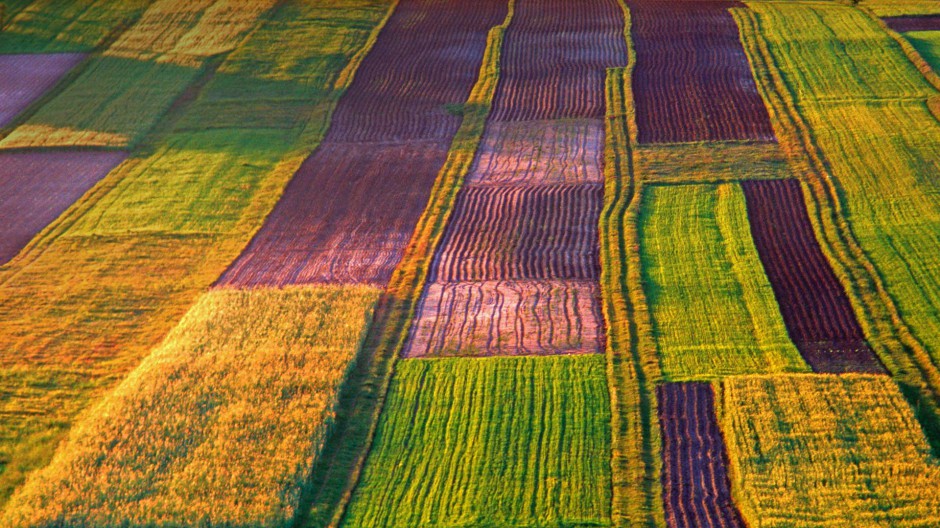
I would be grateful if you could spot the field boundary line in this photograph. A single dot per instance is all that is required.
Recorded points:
(912, 54)
(632, 364)
(357, 420)
(904, 355)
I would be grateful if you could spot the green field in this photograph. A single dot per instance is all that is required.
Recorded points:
(47, 26)
(490, 442)
(220, 423)
(827, 451)
(713, 310)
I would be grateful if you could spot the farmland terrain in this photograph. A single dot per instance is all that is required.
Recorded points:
(285, 263)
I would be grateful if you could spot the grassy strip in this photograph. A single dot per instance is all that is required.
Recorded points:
(103, 284)
(490, 442)
(827, 451)
(713, 310)
(632, 364)
(709, 162)
(883, 321)
(50, 26)
(885, 8)
(927, 44)
(219, 425)
(338, 472)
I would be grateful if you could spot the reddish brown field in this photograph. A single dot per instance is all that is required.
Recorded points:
(541, 152)
(345, 225)
(348, 213)
(507, 318)
(554, 59)
(692, 80)
(36, 187)
(24, 78)
(426, 57)
(914, 23)
(815, 309)
(696, 489)
(513, 232)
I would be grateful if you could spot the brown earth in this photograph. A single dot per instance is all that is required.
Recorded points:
(24, 78)
(36, 187)
(507, 318)
(554, 59)
(514, 232)
(815, 308)
(692, 80)
(348, 213)
(696, 489)
(345, 217)
(540, 152)
(903, 24)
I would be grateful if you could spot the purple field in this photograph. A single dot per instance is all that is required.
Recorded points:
(24, 78)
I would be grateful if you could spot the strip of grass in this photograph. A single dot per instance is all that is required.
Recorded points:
(927, 43)
(490, 441)
(101, 286)
(219, 425)
(46, 26)
(710, 162)
(713, 309)
(887, 8)
(827, 451)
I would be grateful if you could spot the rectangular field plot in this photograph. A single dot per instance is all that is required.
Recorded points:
(415, 79)
(36, 187)
(713, 309)
(554, 59)
(221, 423)
(490, 441)
(828, 451)
(904, 24)
(692, 80)
(47, 26)
(346, 216)
(507, 318)
(540, 152)
(815, 308)
(709, 162)
(696, 489)
(112, 103)
(25, 78)
(512, 232)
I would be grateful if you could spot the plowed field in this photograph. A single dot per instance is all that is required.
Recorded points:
(692, 81)
(24, 78)
(540, 152)
(507, 318)
(36, 187)
(522, 232)
(554, 59)
(914, 23)
(696, 489)
(345, 217)
(349, 211)
(818, 315)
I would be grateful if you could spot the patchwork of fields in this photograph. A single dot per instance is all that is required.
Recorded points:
(280, 263)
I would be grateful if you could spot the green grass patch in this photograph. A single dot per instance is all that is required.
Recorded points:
(46, 26)
(713, 309)
(927, 43)
(490, 442)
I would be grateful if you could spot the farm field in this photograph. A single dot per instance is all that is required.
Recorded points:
(514, 263)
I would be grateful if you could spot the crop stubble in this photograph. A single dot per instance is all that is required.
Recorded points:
(696, 488)
(692, 81)
(36, 187)
(348, 213)
(815, 308)
(24, 78)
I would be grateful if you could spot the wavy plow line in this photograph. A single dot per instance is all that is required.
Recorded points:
(815, 308)
(692, 80)
(427, 57)
(507, 318)
(540, 152)
(522, 232)
(555, 58)
(696, 488)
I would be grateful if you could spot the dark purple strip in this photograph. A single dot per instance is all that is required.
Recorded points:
(815, 308)
(903, 24)
(692, 80)
(696, 489)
